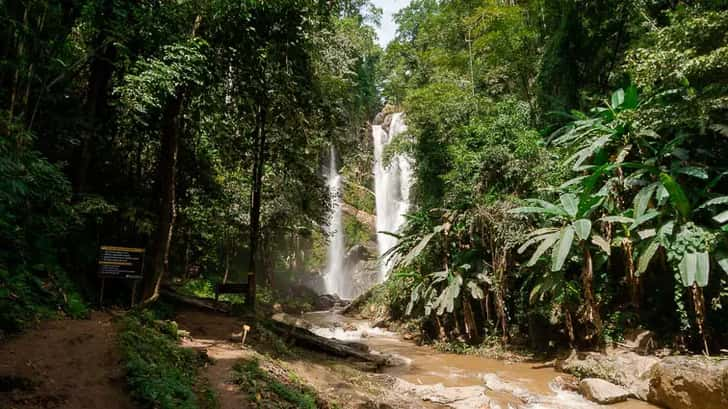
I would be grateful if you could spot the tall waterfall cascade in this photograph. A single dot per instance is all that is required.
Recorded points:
(392, 183)
(336, 279)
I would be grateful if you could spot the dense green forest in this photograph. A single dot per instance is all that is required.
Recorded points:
(192, 129)
(569, 156)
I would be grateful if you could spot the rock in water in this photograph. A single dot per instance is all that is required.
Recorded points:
(566, 383)
(628, 369)
(683, 382)
(602, 392)
(457, 397)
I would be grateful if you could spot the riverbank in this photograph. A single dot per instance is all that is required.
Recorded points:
(458, 380)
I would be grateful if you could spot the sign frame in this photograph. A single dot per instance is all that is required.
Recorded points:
(118, 263)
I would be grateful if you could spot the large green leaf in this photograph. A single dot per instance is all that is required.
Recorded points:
(536, 237)
(583, 228)
(644, 219)
(693, 171)
(617, 98)
(416, 250)
(715, 201)
(602, 243)
(702, 269)
(722, 259)
(446, 300)
(642, 199)
(631, 98)
(687, 268)
(722, 217)
(677, 194)
(539, 210)
(644, 260)
(547, 242)
(570, 203)
(695, 268)
(562, 248)
(548, 205)
(617, 219)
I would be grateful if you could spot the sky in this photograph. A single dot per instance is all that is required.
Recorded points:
(388, 29)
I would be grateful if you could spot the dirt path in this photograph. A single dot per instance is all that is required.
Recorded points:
(71, 364)
(212, 332)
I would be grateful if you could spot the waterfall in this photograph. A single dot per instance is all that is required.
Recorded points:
(392, 182)
(335, 279)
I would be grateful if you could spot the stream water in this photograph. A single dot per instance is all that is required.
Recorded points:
(523, 385)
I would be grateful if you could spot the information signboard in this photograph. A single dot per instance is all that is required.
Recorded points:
(121, 262)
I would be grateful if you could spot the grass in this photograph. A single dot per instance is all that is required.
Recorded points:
(268, 390)
(160, 373)
(205, 288)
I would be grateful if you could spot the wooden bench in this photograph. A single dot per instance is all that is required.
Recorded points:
(230, 288)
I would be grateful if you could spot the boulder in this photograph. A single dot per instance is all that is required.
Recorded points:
(326, 302)
(626, 369)
(602, 392)
(459, 397)
(683, 382)
(495, 383)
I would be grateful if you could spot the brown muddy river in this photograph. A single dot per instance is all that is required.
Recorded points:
(524, 385)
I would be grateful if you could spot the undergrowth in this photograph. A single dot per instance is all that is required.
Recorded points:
(160, 373)
(292, 302)
(268, 391)
(28, 295)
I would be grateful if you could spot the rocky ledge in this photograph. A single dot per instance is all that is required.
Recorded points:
(675, 382)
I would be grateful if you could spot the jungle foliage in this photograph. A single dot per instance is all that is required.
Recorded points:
(570, 169)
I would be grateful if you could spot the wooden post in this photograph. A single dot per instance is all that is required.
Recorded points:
(101, 294)
(133, 292)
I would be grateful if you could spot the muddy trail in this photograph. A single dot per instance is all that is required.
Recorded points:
(65, 364)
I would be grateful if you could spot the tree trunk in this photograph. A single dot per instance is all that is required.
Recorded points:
(587, 278)
(167, 186)
(569, 326)
(259, 151)
(167, 178)
(499, 268)
(699, 309)
(471, 327)
(633, 279)
(227, 263)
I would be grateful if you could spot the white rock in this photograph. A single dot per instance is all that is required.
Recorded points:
(602, 392)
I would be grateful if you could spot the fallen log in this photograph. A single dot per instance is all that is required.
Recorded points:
(204, 303)
(307, 339)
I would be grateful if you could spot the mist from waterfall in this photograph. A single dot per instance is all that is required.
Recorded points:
(335, 280)
(392, 183)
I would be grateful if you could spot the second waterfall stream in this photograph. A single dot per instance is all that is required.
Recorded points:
(392, 183)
